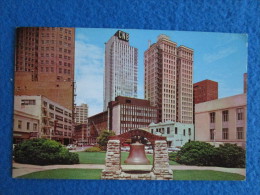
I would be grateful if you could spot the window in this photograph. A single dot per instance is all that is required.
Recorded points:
(168, 130)
(240, 114)
(212, 134)
(183, 132)
(28, 126)
(189, 131)
(225, 115)
(19, 124)
(240, 133)
(28, 102)
(212, 117)
(176, 130)
(34, 126)
(162, 131)
(151, 130)
(225, 133)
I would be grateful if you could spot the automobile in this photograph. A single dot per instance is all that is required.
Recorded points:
(71, 147)
(125, 149)
(149, 151)
(173, 149)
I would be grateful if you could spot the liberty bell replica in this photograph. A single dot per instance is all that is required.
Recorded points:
(137, 155)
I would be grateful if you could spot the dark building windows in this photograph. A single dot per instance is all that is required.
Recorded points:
(225, 115)
(212, 117)
(225, 133)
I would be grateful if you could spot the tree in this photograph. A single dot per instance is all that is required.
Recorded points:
(102, 139)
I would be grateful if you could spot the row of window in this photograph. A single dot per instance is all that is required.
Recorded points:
(162, 131)
(225, 133)
(28, 125)
(225, 115)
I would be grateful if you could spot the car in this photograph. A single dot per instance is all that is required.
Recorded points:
(125, 149)
(173, 149)
(149, 151)
(71, 147)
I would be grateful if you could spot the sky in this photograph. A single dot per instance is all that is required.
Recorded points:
(221, 57)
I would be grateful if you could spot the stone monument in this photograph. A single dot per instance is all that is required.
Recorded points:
(160, 170)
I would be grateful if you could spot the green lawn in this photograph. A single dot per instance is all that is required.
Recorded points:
(99, 158)
(65, 174)
(96, 174)
(205, 175)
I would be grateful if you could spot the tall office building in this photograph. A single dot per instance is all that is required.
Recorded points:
(168, 80)
(120, 68)
(204, 91)
(44, 63)
(81, 114)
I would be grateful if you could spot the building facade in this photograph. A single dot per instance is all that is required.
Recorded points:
(125, 114)
(44, 63)
(81, 114)
(82, 135)
(96, 124)
(26, 126)
(222, 121)
(55, 121)
(120, 78)
(168, 80)
(177, 134)
(204, 91)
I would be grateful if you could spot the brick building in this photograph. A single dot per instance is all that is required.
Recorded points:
(204, 91)
(168, 80)
(97, 123)
(130, 113)
(44, 63)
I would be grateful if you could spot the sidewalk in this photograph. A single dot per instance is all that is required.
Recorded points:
(23, 169)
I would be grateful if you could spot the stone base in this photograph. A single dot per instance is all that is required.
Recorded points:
(136, 175)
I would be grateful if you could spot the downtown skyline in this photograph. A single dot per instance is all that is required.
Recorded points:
(215, 54)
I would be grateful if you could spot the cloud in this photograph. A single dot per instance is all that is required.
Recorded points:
(223, 53)
(89, 75)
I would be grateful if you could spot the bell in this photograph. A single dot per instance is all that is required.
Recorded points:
(137, 155)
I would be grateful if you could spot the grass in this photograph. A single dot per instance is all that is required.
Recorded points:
(99, 158)
(65, 174)
(96, 174)
(205, 175)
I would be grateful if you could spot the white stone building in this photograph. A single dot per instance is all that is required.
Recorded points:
(120, 78)
(177, 134)
(81, 114)
(55, 121)
(26, 126)
(222, 121)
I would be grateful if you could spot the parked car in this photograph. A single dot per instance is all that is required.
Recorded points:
(173, 149)
(71, 147)
(125, 149)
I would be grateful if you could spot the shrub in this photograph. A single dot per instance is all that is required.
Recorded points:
(230, 155)
(172, 156)
(43, 152)
(103, 138)
(196, 153)
(93, 149)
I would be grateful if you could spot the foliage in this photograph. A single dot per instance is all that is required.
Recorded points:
(102, 139)
(43, 152)
(172, 156)
(230, 155)
(196, 153)
(204, 154)
(93, 149)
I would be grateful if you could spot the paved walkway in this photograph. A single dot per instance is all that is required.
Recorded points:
(23, 169)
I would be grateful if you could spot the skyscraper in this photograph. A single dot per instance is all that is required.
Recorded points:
(44, 63)
(81, 114)
(168, 80)
(120, 68)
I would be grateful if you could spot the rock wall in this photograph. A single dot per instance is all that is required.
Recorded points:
(160, 171)
(161, 167)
